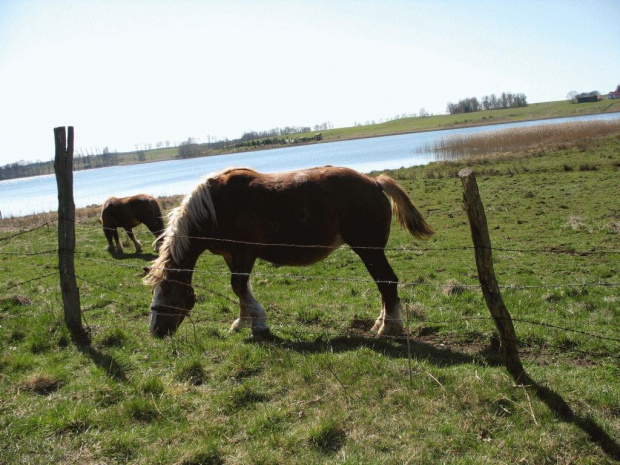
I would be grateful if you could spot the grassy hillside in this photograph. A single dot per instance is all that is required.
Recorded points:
(533, 111)
(405, 125)
(327, 391)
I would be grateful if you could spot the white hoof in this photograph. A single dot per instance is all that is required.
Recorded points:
(240, 323)
(391, 328)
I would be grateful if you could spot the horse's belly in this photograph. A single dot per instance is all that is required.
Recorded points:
(292, 254)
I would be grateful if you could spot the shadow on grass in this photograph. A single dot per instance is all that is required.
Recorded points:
(446, 357)
(106, 362)
(562, 411)
(395, 348)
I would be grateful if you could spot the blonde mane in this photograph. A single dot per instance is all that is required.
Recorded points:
(195, 209)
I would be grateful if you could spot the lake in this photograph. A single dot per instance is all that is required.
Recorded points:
(19, 197)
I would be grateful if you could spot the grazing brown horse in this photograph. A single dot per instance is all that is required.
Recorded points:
(292, 218)
(127, 213)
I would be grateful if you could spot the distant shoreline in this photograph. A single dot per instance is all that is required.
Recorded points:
(410, 125)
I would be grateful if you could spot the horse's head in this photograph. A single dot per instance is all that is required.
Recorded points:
(172, 302)
(171, 272)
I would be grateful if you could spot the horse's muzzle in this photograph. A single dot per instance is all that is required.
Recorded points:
(163, 324)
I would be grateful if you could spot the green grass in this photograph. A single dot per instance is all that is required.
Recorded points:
(327, 391)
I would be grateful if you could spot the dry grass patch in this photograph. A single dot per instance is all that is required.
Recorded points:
(614, 227)
(43, 384)
(520, 140)
(14, 300)
(577, 223)
(454, 288)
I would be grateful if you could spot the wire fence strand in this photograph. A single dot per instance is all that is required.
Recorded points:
(551, 249)
(304, 277)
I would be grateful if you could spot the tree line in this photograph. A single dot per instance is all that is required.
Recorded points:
(275, 132)
(488, 102)
(268, 141)
(81, 161)
(253, 139)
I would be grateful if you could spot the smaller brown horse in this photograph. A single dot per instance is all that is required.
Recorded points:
(127, 213)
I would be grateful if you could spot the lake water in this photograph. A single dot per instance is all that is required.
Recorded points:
(19, 197)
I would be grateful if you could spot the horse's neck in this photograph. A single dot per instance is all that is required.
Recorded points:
(187, 261)
(182, 271)
(156, 226)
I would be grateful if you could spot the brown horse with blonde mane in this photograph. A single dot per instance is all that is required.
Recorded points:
(291, 218)
(127, 213)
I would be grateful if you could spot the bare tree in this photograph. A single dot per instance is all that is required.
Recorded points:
(189, 148)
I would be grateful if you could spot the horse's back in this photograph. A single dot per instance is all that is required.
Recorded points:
(317, 206)
(129, 212)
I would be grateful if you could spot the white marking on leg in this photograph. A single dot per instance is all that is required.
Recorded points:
(251, 313)
(379, 321)
(393, 321)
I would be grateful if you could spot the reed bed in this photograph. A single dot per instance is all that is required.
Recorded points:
(519, 140)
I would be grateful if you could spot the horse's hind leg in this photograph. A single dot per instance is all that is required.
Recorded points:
(390, 321)
(135, 241)
(251, 313)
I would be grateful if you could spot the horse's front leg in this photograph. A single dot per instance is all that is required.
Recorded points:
(111, 234)
(109, 237)
(135, 241)
(251, 313)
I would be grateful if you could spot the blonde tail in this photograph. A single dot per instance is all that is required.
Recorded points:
(406, 213)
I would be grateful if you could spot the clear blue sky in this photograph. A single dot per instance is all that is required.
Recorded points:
(135, 72)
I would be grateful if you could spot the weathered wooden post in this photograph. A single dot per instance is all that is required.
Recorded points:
(486, 275)
(63, 167)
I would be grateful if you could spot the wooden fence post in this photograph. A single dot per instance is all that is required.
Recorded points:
(486, 275)
(63, 167)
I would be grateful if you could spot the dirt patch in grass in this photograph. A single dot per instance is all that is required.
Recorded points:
(14, 300)
(41, 384)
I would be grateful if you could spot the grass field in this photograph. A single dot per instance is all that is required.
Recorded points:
(327, 391)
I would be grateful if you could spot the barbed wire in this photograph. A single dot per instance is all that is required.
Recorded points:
(301, 277)
(553, 249)
(37, 278)
(29, 254)
(26, 231)
(402, 248)
(350, 326)
(406, 320)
